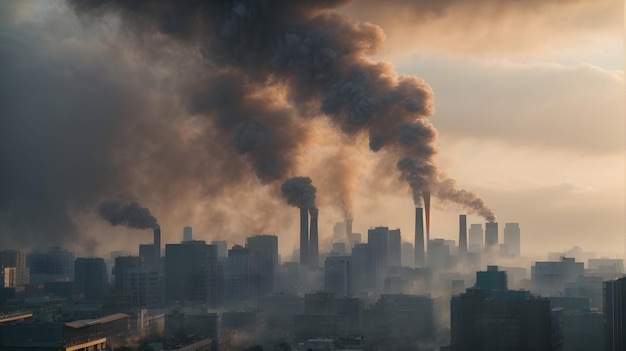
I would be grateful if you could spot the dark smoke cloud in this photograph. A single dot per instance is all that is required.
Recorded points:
(299, 192)
(131, 215)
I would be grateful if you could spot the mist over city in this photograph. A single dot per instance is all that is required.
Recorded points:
(312, 175)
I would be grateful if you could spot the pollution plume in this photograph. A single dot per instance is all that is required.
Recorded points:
(299, 192)
(131, 215)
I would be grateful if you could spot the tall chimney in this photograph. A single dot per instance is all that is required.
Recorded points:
(426, 196)
(420, 257)
(462, 235)
(349, 242)
(157, 244)
(313, 241)
(304, 236)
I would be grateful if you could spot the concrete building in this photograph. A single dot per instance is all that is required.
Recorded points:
(492, 279)
(15, 259)
(512, 239)
(491, 236)
(475, 238)
(549, 278)
(408, 255)
(362, 268)
(395, 248)
(378, 241)
(338, 275)
(191, 272)
(614, 308)
(122, 265)
(264, 248)
(57, 264)
(222, 248)
(187, 233)
(438, 254)
(90, 277)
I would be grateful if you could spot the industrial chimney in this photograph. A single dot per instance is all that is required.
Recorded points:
(157, 244)
(349, 241)
(426, 196)
(313, 241)
(304, 236)
(420, 257)
(462, 235)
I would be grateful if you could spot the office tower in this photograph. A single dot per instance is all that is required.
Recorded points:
(420, 255)
(265, 265)
(492, 279)
(378, 240)
(475, 238)
(191, 272)
(615, 314)
(549, 278)
(362, 268)
(355, 238)
(512, 238)
(339, 249)
(240, 274)
(488, 320)
(491, 235)
(395, 248)
(408, 255)
(438, 254)
(222, 248)
(122, 265)
(313, 240)
(339, 232)
(147, 252)
(338, 275)
(304, 237)
(15, 259)
(462, 235)
(90, 277)
(56, 264)
(187, 233)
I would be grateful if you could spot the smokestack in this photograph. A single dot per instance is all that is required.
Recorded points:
(313, 241)
(349, 234)
(304, 236)
(462, 235)
(157, 244)
(420, 257)
(426, 196)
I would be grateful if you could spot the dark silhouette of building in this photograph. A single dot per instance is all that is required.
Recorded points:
(90, 277)
(615, 313)
(122, 265)
(378, 240)
(362, 268)
(512, 238)
(338, 275)
(57, 264)
(491, 236)
(475, 235)
(191, 272)
(395, 248)
(264, 249)
(462, 235)
(492, 279)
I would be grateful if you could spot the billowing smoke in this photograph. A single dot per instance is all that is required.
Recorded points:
(131, 215)
(299, 192)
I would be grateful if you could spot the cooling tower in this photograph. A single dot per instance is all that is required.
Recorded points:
(313, 241)
(420, 257)
(304, 236)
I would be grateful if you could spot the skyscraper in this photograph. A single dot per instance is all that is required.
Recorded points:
(491, 235)
(338, 275)
(90, 277)
(512, 238)
(191, 272)
(475, 238)
(15, 259)
(264, 249)
(615, 314)
(378, 240)
(395, 248)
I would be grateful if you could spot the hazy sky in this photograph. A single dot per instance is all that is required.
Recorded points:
(528, 107)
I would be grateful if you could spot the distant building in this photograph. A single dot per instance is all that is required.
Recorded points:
(438, 254)
(338, 275)
(362, 268)
(491, 236)
(395, 248)
(191, 272)
(512, 238)
(90, 277)
(378, 241)
(57, 264)
(475, 238)
(187, 233)
(222, 248)
(615, 314)
(549, 278)
(264, 248)
(492, 279)
(122, 265)
(15, 259)
(408, 255)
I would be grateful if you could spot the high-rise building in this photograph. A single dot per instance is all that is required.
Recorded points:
(492, 279)
(144, 286)
(408, 255)
(90, 277)
(512, 238)
(339, 249)
(362, 268)
(338, 275)
(378, 240)
(222, 248)
(549, 278)
(122, 265)
(187, 233)
(57, 264)
(240, 274)
(615, 314)
(15, 259)
(438, 254)
(265, 264)
(395, 248)
(339, 232)
(191, 272)
(475, 238)
(462, 235)
(491, 235)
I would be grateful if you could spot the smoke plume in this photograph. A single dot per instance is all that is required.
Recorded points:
(131, 215)
(299, 192)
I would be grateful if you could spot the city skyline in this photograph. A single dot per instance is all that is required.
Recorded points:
(536, 129)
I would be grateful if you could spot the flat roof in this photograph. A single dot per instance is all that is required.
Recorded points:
(87, 322)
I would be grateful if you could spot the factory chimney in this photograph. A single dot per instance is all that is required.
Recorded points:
(304, 236)
(349, 241)
(313, 240)
(462, 235)
(420, 257)
(426, 196)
